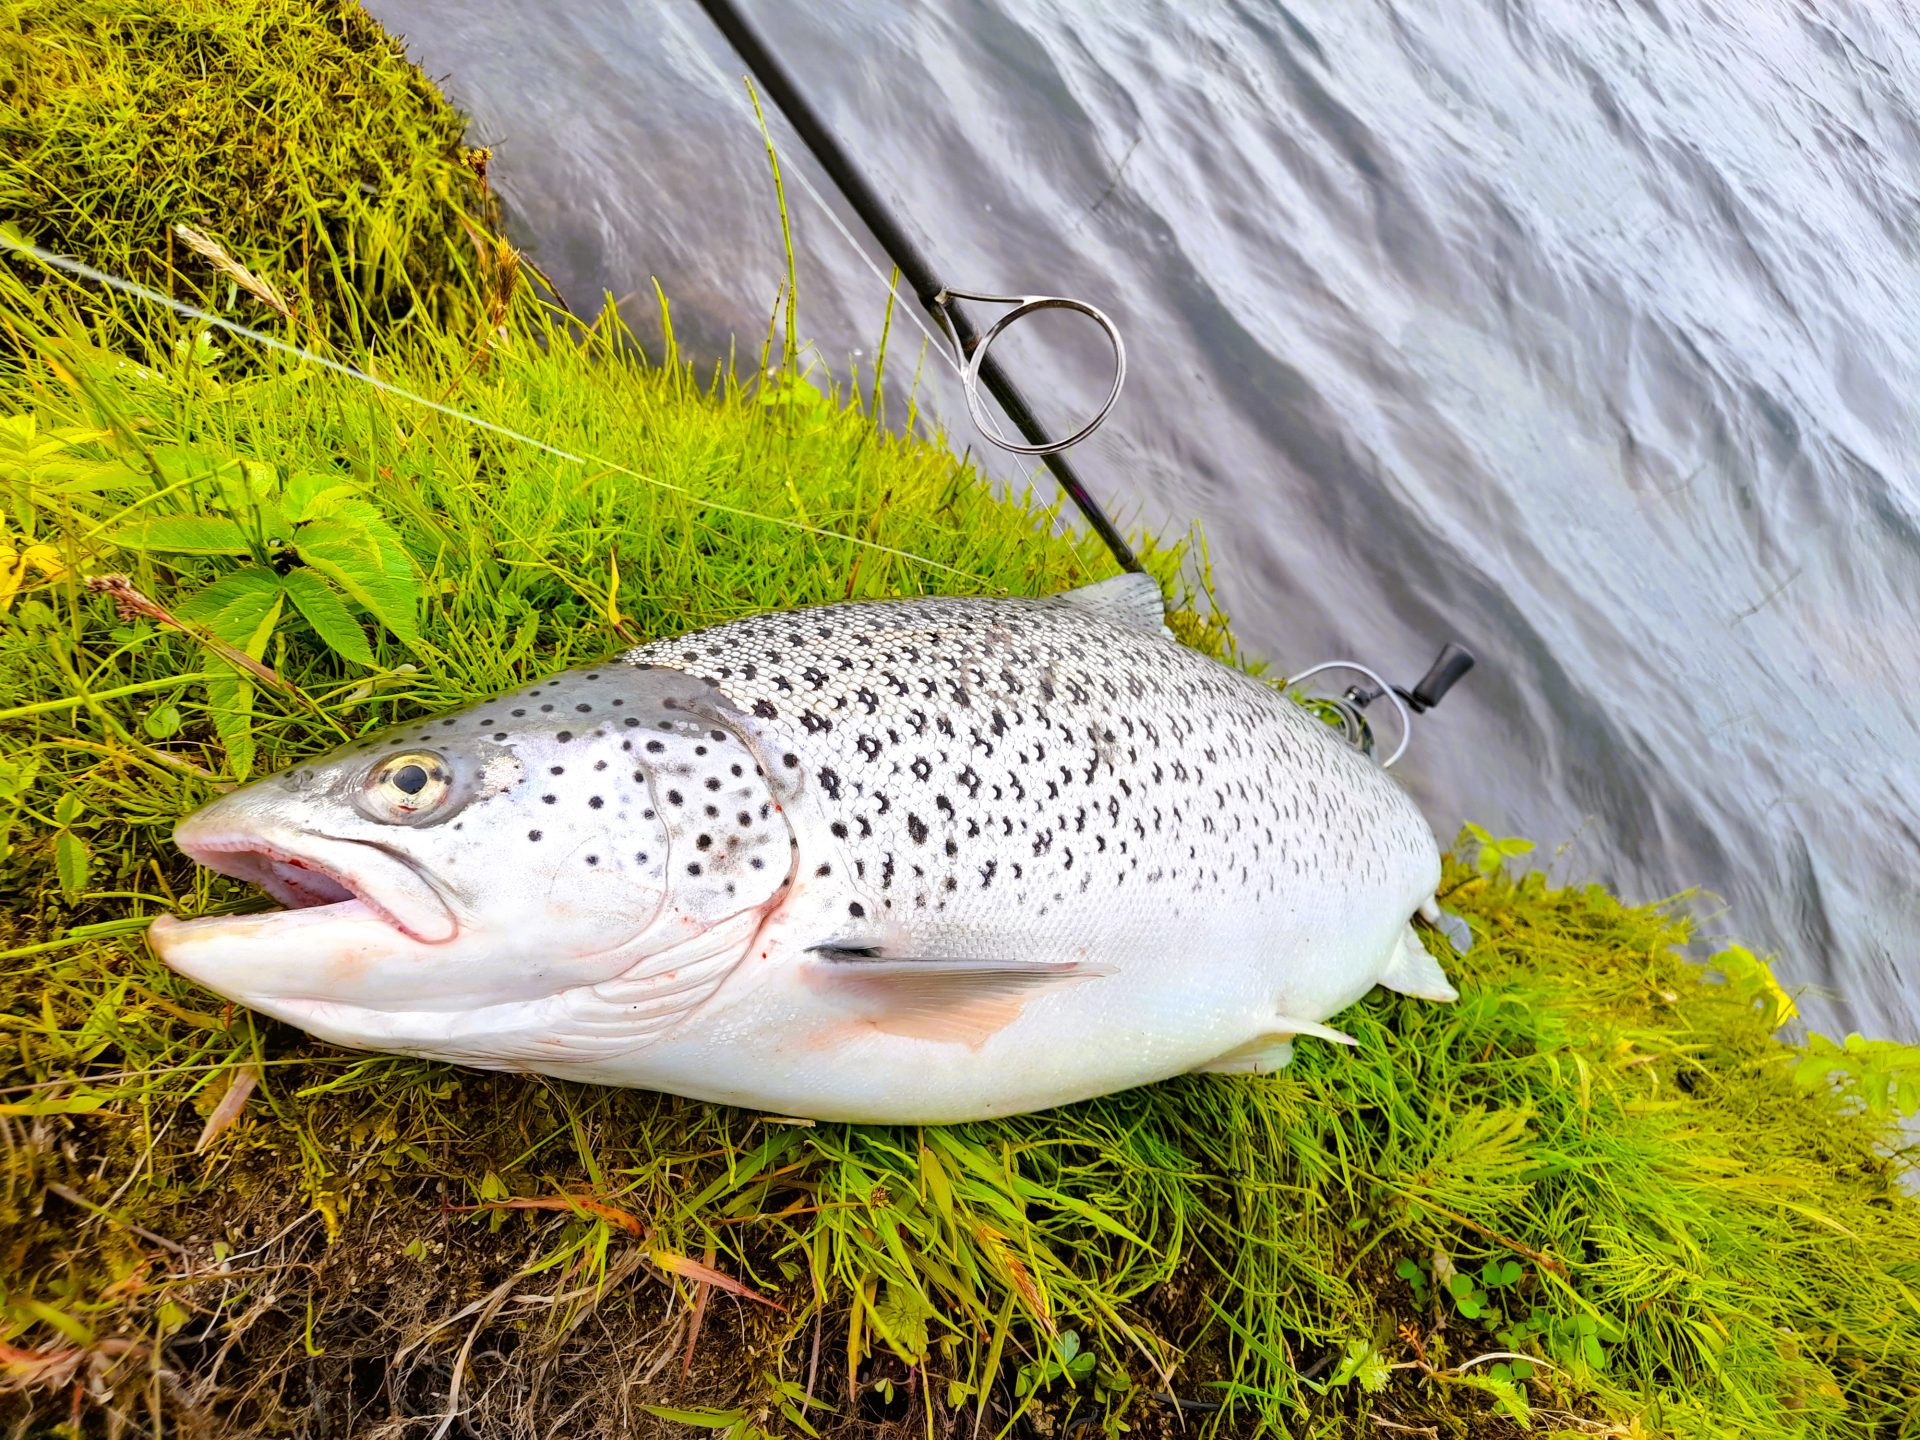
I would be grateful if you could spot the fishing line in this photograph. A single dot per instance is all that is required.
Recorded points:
(194, 312)
(964, 362)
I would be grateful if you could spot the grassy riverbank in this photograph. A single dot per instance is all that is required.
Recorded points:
(1603, 1158)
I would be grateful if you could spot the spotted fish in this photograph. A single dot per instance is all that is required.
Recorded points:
(904, 861)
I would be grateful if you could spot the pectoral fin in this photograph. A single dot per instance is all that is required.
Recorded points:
(962, 1002)
(1272, 1051)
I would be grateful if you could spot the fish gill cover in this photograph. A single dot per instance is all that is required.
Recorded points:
(1600, 1195)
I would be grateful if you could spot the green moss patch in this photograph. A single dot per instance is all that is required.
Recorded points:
(298, 136)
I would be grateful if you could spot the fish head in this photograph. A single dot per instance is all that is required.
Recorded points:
(546, 840)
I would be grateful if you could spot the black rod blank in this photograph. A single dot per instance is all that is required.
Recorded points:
(779, 85)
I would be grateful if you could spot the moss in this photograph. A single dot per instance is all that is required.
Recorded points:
(297, 135)
(1603, 1157)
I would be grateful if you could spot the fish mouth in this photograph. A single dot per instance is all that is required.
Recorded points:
(315, 878)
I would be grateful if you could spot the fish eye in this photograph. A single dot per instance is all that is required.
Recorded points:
(407, 788)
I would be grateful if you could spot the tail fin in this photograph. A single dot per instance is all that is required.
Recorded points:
(1459, 934)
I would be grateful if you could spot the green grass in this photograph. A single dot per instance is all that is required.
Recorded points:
(1704, 1236)
(1604, 1157)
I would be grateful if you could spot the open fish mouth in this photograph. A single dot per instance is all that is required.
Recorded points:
(316, 878)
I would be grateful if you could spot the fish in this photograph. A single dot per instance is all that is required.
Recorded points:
(917, 861)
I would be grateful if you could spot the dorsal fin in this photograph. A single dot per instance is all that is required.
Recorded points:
(1133, 600)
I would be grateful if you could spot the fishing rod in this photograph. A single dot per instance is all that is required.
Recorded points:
(978, 367)
(941, 300)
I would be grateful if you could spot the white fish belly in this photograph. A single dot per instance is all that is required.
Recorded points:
(778, 1040)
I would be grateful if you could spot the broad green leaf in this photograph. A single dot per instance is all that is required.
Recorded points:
(162, 722)
(325, 612)
(68, 808)
(72, 862)
(1751, 979)
(356, 549)
(183, 464)
(230, 691)
(230, 703)
(309, 497)
(236, 605)
(16, 775)
(82, 1103)
(186, 535)
(705, 1419)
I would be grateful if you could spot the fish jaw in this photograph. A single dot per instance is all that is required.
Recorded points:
(359, 920)
(304, 870)
(606, 1030)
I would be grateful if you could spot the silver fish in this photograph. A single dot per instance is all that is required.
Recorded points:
(903, 861)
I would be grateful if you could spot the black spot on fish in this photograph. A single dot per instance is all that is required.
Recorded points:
(856, 909)
(830, 782)
(533, 834)
(917, 828)
(548, 799)
(595, 802)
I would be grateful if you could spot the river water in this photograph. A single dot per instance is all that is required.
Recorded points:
(1587, 334)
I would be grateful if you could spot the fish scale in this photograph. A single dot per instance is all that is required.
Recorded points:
(996, 766)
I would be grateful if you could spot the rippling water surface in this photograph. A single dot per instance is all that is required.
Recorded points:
(1587, 334)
